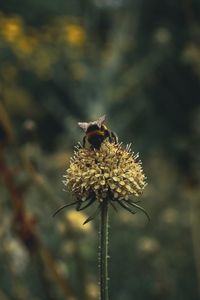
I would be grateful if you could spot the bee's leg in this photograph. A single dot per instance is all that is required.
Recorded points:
(84, 141)
(107, 135)
(110, 138)
(114, 137)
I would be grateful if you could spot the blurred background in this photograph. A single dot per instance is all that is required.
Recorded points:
(61, 62)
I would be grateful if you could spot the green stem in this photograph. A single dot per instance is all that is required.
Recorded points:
(104, 251)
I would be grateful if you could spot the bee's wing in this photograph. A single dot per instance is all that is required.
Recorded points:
(83, 125)
(101, 120)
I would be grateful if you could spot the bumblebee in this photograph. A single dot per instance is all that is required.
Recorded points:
(96, 133)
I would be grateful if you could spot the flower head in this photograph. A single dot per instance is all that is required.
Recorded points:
(112, 173)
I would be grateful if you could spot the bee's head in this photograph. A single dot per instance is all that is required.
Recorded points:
(92, 126)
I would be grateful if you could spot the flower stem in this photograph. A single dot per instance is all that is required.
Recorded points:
(104, 251)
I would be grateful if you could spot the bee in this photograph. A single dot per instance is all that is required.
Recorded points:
(96, 133)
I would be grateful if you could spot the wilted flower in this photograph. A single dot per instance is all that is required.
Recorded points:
(112, 174)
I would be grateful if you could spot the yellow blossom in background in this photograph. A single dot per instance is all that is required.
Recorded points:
(11, 28)
(26, 44)
(191, 54)
(68, 247)
(93, 290)
(74, 34)
(148, 245)
(170, 216)
(76, 220)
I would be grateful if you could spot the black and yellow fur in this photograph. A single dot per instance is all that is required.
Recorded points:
(96, 133)
(95, 136)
